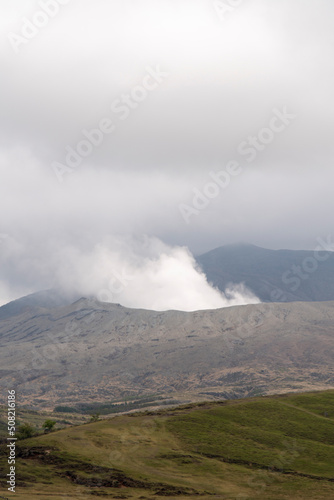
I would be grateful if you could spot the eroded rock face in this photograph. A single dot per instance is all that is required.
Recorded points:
(91, 351)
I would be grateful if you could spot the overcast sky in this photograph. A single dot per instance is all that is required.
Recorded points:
(217, 127)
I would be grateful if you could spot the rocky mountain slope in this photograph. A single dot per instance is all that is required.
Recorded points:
(92, 351)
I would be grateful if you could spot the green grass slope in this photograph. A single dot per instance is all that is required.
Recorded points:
(271, 448)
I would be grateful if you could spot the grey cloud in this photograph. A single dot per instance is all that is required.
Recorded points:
(225, 79)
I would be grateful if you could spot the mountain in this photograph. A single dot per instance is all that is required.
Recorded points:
(29, 303)
(273, 275)
(92, 351)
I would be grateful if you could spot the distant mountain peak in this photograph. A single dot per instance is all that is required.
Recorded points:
(272, 275)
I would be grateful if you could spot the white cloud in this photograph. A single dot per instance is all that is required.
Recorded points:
(139, 273)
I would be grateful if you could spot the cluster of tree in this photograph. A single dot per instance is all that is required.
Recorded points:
(95, 417)
(107, 408)
(25, 431)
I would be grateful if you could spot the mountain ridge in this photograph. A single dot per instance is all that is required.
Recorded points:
(272, 275)
(91, 350)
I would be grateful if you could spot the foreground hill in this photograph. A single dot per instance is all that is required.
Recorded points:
(272, 448)
(91, 351)
(273, 275)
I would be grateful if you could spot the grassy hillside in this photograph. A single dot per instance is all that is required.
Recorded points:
(270, 448)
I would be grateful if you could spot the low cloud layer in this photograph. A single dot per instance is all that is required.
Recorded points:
(139, 273)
